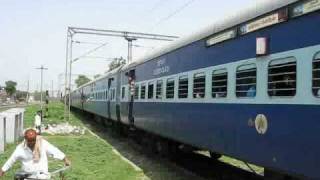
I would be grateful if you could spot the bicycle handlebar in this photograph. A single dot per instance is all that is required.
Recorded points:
(29, 176)
(60, 170)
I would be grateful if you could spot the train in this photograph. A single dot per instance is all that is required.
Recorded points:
(247, 87)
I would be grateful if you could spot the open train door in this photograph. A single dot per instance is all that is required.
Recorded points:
(131, 81)
(109, 98)
(83, 98)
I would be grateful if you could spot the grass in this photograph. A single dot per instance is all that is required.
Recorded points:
(55, 115)
(91, 158)
(242, 165)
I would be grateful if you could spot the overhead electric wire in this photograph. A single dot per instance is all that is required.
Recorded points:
(89, 52)
(157, 5)
(174, 13)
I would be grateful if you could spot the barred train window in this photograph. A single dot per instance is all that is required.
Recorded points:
(150, 90)
(282, 77)
(219, 83)
(246, 82)
(170, 89)
(143, 91)
(159, 89)
(199, 85)
(183, 87)
(316, 76)
(136, 92)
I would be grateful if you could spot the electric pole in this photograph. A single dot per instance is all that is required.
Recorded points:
(41, 105)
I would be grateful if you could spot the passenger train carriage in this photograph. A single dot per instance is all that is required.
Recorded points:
(247, 87)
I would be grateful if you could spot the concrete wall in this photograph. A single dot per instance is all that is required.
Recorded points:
(2, 133)
(14, 124)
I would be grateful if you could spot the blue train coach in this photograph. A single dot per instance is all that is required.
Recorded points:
(247, 87)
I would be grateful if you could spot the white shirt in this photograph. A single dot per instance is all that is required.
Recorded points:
(24, 154)
(37, 120)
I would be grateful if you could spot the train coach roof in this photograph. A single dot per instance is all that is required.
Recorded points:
(99, 78)
(260, 8)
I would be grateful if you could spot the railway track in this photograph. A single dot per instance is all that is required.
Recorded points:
(181, 166)
(5, 107)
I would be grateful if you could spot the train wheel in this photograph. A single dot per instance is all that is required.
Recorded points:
(214, 156)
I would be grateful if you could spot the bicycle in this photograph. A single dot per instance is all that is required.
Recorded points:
(42, 176)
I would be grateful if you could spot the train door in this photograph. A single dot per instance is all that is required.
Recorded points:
(82, 97)
(131, 81)
(109, 97)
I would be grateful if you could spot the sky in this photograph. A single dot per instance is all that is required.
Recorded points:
(33, 32)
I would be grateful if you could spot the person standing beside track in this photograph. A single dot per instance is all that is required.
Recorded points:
(33, 153)
(37, 121)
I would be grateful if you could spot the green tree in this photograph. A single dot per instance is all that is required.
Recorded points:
(82, 79)
(10, 87)
(116, 63)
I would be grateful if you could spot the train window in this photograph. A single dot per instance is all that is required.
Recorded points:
(316, 75)
(183, 87)
(150, 90)
(159, 89)
(170, 89)
(136, 92)
(246, 82)
(106, 94)
(219, 83)
(199, 85)
(282, 77)
(143, 91)
(123, 92)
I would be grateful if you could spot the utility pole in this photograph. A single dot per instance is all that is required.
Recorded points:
(130, 39)
(27, 98)
(41, 105)
(66, 89)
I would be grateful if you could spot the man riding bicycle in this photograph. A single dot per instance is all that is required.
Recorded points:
(33, 153)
